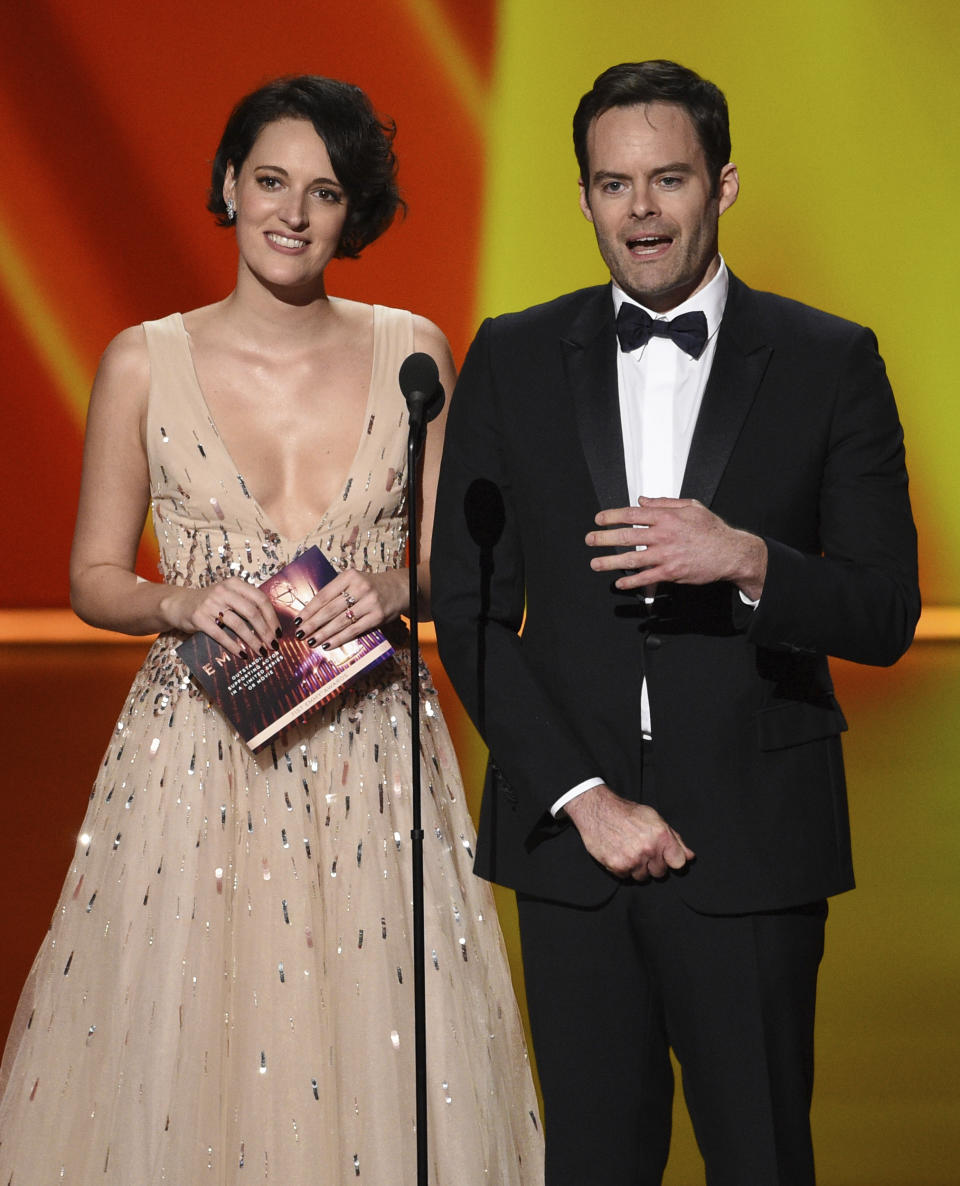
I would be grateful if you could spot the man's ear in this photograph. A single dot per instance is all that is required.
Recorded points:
(729, 186)
(585, 202)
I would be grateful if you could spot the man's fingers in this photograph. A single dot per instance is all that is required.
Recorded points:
(644, 574)
(621, 562)
(675, 852)
(666, 503)
(618, 516)
(632, 536)
(678, 856)
(641, 866)
(638, 514)
(630, 840)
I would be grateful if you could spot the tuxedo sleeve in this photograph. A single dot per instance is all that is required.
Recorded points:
(478, 592)
(858, 599)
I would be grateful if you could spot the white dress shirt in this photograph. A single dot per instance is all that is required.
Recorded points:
(661, 389)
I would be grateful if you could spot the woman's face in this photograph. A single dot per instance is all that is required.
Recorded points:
(290, 207)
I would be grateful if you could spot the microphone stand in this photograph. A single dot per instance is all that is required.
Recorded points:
(420, 383)
(414, 444)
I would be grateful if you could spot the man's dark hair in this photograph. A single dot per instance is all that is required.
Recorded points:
(657, 81)
(359, 143)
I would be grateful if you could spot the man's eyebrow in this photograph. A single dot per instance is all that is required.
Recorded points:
(673, 167)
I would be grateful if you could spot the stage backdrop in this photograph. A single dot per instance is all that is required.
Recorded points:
(842, 114)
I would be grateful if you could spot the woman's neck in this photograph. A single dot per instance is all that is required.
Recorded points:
(261, 313)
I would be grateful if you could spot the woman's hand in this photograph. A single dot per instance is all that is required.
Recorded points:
(237, 615)
(351, 604)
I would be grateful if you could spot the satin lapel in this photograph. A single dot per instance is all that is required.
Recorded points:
(738, 368)
(591, 364)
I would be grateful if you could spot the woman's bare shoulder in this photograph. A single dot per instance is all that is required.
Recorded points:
(428, 336)
(125, 364)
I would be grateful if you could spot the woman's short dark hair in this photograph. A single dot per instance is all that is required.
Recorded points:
(658, 81)
(359, 143)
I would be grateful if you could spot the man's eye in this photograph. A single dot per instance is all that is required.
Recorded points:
(670, 182)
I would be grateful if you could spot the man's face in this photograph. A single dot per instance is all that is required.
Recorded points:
(652, 204)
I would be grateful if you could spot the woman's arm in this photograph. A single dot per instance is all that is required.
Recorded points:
(114, 497)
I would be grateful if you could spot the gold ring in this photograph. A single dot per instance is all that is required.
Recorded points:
(350, 615)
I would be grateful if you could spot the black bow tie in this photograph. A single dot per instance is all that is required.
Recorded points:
(635, 327)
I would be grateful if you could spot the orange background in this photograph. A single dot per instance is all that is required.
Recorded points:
(108, 122)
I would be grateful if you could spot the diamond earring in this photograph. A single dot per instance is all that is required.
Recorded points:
(231, 210)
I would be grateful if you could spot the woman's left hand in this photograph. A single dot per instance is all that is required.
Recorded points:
(351, 604)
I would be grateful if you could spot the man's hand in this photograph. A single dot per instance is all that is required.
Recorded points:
(628, 839)
(679, 540)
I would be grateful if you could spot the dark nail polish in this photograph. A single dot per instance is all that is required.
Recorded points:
(263, 652)
(297, 621)
(279, 632)
(324, 646)
(275, 645)
(299, 634)
(244, 655)
(312, 642)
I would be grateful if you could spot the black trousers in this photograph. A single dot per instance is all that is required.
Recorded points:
(612, 989)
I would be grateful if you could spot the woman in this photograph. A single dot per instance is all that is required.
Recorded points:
(225, 993)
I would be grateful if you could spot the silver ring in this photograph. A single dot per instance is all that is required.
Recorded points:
(350, 600)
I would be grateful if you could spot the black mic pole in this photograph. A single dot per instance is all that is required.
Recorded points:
(420, 384)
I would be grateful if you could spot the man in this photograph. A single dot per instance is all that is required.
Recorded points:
(691, 518)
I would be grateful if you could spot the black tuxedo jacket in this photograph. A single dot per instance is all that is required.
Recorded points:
(798, 440)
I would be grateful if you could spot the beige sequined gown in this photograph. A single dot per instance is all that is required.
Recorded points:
(226, 992)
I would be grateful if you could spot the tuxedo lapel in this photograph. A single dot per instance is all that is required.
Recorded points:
(590, 358)
(738, 368)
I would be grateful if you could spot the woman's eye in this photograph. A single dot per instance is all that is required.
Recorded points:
(328, 195)
(269, 182)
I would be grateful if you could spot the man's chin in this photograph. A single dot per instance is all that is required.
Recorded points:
(661, 293)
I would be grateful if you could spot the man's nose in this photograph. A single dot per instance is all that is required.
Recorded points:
(644, 201)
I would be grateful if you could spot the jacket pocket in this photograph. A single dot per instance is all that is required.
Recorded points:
(799, 721)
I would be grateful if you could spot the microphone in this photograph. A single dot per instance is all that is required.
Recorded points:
(422, 389)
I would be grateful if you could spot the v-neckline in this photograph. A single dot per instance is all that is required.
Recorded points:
(267, 520)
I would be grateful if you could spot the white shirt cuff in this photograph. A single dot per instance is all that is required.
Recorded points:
(574, 793)
(747, 600)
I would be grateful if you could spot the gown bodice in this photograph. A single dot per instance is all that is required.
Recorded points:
(208, 522)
